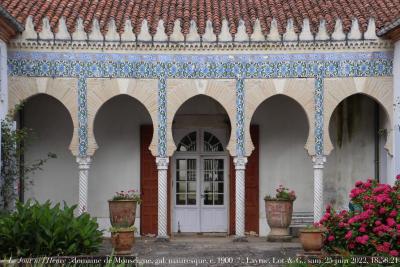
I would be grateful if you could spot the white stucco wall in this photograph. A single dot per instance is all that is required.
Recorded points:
(52, 127)
(283, 159)
(116, 163)
(353, 136)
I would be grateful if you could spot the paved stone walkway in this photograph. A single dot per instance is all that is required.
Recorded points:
(210, 251)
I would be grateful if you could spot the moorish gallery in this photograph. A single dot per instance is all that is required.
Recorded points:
(203, 106)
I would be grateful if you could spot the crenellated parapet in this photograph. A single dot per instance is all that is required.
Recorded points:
(165, 37)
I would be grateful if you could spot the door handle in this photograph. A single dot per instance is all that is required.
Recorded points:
(202, 196)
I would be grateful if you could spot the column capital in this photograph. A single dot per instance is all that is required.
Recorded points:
(240, 163)
(84, 162)
(319, 161)
(162, 163)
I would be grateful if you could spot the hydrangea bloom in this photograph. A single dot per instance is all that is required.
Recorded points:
(373, 228)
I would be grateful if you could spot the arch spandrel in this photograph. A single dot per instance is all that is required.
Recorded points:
(300, 90)
(379, 89)
(62, 89)
(101, 90)
(181, 90)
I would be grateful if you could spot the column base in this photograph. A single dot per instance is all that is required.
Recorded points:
(240, 239)
(162, 239)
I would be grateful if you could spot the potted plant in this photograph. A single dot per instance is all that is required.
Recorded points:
(279, 211)
(312, 238)
(122, 239)
(122, 208)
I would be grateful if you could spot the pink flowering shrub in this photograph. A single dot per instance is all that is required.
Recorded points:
(373, 228)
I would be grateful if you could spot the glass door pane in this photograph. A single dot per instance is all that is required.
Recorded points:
(186, 182)
(213, 182)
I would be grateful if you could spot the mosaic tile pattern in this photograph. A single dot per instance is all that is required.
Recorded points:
(82, 113)
(240, 108)
(162, 116)
(319, 110)
(164, 66)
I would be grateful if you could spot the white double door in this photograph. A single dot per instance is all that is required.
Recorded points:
(200, 194)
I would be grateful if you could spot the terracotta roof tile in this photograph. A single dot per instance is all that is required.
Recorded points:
(201, 11)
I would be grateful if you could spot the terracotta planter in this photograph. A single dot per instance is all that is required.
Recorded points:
(122, 212)
(122, 242)
(279, 217)
(312, 241)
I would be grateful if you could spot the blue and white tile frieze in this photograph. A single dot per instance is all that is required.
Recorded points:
(319, 110)
(199, 66)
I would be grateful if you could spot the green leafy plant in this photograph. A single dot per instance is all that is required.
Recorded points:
(35, 230)
(15, 172)
(129, 195)
(282, 193)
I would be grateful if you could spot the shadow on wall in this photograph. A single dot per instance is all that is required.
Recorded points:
(52, 129)
(283, 158)
(116, 163)
(357, 130)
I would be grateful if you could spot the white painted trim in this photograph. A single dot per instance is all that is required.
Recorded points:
(3, 85)
(396, 115)
(3, 80)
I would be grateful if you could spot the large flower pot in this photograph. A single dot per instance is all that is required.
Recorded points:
(312, 241)
(122, 212)
(122, 242)
(279, 217)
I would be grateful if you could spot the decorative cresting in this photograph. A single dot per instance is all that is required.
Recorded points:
(240, 167)
(318, 165)
(181, 90)
(125, 38)
(100, 90)
(378, 88)
(162, 166)
(151, 66)
(300, 90)
(62, 89)
(84, 166)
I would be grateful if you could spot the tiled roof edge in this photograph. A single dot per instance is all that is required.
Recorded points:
(13, 21)
(389, 27)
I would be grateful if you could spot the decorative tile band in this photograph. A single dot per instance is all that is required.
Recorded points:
(240, 108)
(199, 58)
(162, 116)
(162, 67)
(319, 111)
(82, 113)
(201, 67)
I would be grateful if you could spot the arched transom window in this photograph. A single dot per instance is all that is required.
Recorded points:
(209, 143)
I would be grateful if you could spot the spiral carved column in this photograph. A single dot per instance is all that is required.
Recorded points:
(162, 166)
(84, 166)
(240, 167)
(318, 165)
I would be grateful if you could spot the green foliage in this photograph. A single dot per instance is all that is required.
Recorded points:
(13, 169)
(42, 229)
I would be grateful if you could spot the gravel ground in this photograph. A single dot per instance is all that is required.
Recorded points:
(210, 251)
